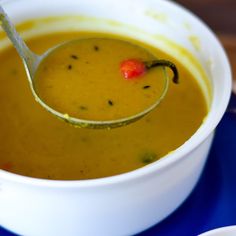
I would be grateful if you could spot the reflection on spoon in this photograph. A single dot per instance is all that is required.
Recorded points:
(65, 91)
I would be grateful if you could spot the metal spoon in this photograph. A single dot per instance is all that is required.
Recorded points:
(31, 62)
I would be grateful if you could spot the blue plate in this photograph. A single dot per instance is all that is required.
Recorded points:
(212, 204)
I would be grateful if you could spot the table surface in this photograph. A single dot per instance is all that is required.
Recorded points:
(212, 203)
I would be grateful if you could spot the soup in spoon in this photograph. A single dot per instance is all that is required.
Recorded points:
(91, 79)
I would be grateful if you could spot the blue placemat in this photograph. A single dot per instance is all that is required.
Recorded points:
(212, 204)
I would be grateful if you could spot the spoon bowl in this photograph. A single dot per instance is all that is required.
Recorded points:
(32, 61)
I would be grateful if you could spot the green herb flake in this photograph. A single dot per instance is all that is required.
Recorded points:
(110, 102)
(148, 157)
(96, 48)
(69, 67)
(83, 108)
(146, 87)
(73, 56)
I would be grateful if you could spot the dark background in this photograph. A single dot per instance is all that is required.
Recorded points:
(220, 15)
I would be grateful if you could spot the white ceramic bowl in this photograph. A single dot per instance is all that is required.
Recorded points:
(129, 203)
(224, 231)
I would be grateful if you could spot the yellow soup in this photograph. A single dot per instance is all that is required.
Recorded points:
(35, 143)
(83, 79)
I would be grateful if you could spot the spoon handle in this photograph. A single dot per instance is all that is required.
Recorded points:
(29, 58)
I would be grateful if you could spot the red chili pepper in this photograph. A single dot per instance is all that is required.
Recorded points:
(132, 68)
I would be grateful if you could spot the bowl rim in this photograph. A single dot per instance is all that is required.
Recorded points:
(170, 159)
(222, 230)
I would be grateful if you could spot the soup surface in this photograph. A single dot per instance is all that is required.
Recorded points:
(83, 79)
(35, 143)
